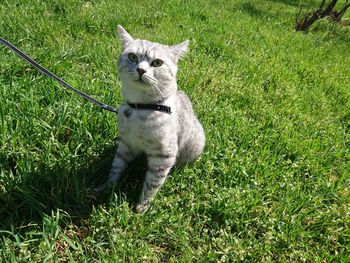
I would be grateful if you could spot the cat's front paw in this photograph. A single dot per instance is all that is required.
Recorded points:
(142, 207)
(104, 188)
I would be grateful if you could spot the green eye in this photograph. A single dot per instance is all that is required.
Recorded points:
(157, 63)
(132, 57)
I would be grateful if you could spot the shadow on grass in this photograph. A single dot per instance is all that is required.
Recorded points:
(256, 12)
(252, 10)
(287, 2)
(47, 190)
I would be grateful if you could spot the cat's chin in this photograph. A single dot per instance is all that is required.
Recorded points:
(135, 82)
(140, 81)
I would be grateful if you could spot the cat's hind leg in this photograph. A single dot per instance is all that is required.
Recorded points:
(193, 147)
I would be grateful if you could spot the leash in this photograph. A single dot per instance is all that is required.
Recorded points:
(54, 77)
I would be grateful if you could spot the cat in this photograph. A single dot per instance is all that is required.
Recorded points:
(167, 138)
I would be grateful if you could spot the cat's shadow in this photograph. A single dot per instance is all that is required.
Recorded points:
(130, 184)
(74, 191)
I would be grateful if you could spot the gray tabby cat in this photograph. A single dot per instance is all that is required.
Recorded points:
(148, 74)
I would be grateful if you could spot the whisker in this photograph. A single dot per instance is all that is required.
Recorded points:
(154, 83)
(158, 83)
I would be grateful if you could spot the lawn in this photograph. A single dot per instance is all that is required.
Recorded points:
(272, 183)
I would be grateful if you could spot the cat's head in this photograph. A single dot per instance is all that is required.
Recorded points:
(148, 70)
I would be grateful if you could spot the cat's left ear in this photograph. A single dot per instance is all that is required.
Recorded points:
(124, 36)
(180, 50)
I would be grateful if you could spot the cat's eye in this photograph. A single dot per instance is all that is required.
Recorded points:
(132, 57)
(157, 63)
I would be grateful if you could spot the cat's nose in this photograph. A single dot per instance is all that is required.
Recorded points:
(141, 71)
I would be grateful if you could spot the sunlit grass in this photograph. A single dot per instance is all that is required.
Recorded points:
(272, 184)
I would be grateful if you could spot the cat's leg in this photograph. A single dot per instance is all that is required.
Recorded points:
(159, 166)
(193, 147)
(122, 157)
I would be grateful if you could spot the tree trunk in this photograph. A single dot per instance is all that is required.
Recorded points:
(308, 19)
(337, 16)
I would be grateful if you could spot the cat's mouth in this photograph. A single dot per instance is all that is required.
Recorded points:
(140, 81)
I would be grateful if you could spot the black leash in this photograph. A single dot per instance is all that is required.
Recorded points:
(54, 77)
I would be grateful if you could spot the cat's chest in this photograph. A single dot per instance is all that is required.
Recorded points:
(143, 127)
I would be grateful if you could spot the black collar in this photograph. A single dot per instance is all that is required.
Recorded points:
(156, 107)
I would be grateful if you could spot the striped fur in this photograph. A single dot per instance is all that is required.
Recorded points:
(166, 139)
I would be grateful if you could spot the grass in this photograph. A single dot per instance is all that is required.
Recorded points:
(272, 184)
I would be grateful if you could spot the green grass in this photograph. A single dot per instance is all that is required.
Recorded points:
(272, 184)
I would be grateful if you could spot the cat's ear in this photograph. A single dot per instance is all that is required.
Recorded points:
(124, 36)
(180, 50)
